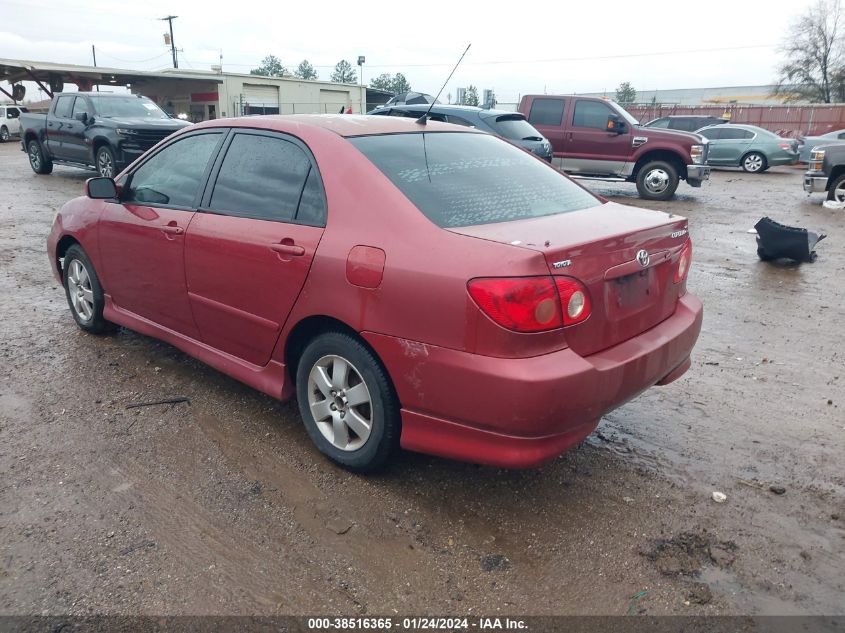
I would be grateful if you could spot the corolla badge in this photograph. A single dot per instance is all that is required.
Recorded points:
(642, 257)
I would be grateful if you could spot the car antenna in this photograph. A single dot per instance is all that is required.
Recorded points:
(424, 117)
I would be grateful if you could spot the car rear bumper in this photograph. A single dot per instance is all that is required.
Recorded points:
(519, 413)
(696, 174)
(815, 184)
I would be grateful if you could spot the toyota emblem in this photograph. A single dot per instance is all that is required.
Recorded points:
(642, 257)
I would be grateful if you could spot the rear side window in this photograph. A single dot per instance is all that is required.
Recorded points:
(262, 177)
(546, 112)
(172, 176)
(64, 106)
(464, 179)
(591, 114)
(687, 125)
(516, 128)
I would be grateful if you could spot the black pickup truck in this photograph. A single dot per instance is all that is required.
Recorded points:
(826, 171)
(92, 129)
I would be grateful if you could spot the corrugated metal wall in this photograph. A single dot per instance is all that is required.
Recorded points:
(789, 121)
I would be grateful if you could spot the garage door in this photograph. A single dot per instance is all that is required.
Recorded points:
(332, 101)
(261, 99)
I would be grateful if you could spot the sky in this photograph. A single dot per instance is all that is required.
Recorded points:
(560, 47)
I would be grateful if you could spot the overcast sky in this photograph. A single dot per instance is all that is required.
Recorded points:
(561, 47)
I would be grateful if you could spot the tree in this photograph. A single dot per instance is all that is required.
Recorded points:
(471, 96)
(271, 66)
(344, 73)
(395, 84)
(815, 65)
(625, 93)
(305, 70)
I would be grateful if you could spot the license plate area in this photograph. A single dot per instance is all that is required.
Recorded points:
(632, 293)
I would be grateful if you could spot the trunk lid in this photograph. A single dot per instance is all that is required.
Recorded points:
(599, 247)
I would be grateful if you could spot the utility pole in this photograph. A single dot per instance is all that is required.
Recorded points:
(170, 19)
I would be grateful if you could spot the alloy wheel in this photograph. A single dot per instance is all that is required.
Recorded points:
(79, 290)
(340, 402)
(4, 135)
(34, 157)
(105, 165)
(753, 163)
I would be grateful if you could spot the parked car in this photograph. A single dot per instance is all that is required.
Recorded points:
(10, 124)
(411, 285)
(807, 143)
(509, 125)
(826, 171)
(685, 122)
(748, 146)
(596, 138)
(105, 131)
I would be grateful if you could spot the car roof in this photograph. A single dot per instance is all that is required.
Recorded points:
(440, 108)
(345, 125)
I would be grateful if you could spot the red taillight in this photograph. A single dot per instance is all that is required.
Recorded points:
(683, 262)
(785, 146)
(574, 300)
(531, 304)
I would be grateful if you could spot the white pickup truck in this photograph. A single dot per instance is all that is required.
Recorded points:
(10, 124)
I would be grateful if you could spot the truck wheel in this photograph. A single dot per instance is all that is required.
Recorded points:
(37, 160)
(754, 163)
(105, 162)
(836, 191)
(657, 180)
(4, 134)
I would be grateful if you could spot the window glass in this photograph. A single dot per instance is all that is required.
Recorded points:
(591, 114)
(457, 120)
(546, 112)
(79, 107)
(12, 113)
(841, 136)
(735, 133)
(516, 128)
(128, 106)
(713, 133)
(686, 125)
(173, 175)
(312, 204)
(64, 105)
(261, 177)
(664, 122)
(464, 178)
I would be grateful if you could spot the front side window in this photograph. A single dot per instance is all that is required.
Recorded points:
(735, 134)
(12, 113)
(546, 112)
(172, 176)
(64, 106)
(591, 114)
(262, 177)
(464, 179)
(713, 133)
(79, 107)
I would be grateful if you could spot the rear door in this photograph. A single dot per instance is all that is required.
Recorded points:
(59, 125)
(249, 249)
(547, 115)
(590, 148)
(73, 140)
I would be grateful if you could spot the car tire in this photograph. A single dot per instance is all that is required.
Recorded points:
(4, 134)
(657, 180)
(754, 163)
(37, 159)
(84, 293)
(347, 402)
(105, 163)
(837, 185)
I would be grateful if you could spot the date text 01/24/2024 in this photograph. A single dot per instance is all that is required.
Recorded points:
(415, 624)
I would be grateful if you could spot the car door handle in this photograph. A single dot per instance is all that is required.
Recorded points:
(174, 230)
(288, 248)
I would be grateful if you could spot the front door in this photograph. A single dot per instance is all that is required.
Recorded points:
(590, 148)
(249, 249)
(142, 237)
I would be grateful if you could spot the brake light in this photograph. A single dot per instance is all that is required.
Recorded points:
(683, 262)
(531, 304)
(574, 300)
(785, 146)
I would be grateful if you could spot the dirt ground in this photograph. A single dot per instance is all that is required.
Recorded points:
(222, 505)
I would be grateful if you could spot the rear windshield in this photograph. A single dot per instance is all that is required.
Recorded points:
(516, 128)
(464, 179)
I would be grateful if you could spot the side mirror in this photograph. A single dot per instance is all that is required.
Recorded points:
(616, 125)
(81, 116)
(100, 189)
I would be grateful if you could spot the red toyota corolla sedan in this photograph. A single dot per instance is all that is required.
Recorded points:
(424, 286)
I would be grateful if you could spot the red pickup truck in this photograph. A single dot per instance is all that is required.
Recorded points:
(597, 139)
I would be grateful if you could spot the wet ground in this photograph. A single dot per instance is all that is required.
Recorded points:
(222, 506)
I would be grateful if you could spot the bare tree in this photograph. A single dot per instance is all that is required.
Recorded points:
(814, 69)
